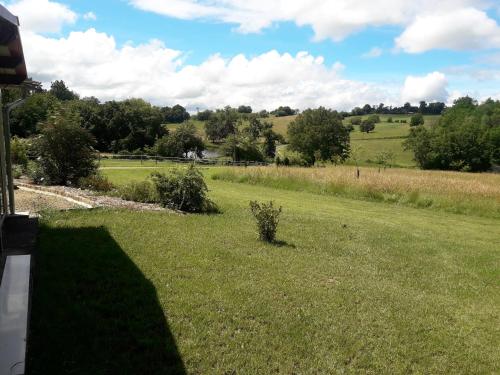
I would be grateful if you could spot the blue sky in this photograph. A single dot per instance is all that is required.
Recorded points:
(465, 58)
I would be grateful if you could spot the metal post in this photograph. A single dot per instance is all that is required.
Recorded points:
(3, 166)
(8, 159)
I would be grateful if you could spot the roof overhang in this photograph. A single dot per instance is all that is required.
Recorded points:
(12, 66)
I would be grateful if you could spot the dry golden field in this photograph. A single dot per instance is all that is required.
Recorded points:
(456, 191)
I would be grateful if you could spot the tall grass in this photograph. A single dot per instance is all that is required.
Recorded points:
(465, 193)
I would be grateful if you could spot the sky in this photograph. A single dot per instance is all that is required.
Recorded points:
(265, 53)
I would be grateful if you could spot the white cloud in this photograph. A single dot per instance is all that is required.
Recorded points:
(453, 24)
(42, 16)
(431, 87)
(90, 16)
(92, 64)
(462, 29)
(374, 52)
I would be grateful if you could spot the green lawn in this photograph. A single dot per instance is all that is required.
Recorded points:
(355, 287)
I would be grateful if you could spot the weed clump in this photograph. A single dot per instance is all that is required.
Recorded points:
(267, 217)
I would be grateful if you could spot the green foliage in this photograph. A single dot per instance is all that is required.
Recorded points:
(367, 126)
(175, 115)
(466, 138)
(61, 91)
(389, 120)
(139, 191)
(184, 190)
(241, 148)
(417, 120)
(65, 150)
(288, 157)
(19, 152)
(319, 130)
(356, 120)
(283, 111)
(96, 182)
(17, 171)
(244, 109)
(221, 124)
(180, 143)
(25, 119)
(267, 217)
(204, 115)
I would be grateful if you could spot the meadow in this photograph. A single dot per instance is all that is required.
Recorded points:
(352, 286)
(387, 137)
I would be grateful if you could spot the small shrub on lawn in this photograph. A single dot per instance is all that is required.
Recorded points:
(96, 182)
(184, 190)
(267, 217)
(143, 192)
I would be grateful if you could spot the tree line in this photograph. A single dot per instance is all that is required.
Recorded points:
(465, 138)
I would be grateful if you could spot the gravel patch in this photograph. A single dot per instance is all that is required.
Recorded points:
(27, 201)
(90, 198)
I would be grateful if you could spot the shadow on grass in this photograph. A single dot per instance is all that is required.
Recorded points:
(279, 243)
(93, 311)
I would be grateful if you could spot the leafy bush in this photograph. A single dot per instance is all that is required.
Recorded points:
(367, 125)
(19, 152)
(65, 150)
(355, 120)
(96, 182)
(17, 171)
(417, 120)
(184, 190)
(35, 173)
(143, 191)
(267, 218)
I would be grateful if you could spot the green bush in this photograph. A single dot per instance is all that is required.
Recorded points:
(417, 120)
(267, 218)
(35, 173)
(96, 182)
(65, 150)
(143, 191)
(19, 152)
(17, 171)
(184, 190)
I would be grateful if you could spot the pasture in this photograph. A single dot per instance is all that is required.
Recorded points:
(387, 137)
(353, 286)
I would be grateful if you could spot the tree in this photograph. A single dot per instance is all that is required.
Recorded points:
(319, 130)
(221, 124)
(65, 149)
(180, 143)
(25, 118)
(175, 115)
(283, 111)
(356, 120)
(204, 115)
(465, 138)
(244, 109)
(241, 148)
(367, 125)
(270, 140)
(417, 120)
(61, 92)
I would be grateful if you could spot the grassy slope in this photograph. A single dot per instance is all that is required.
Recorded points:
(359, 287)
(386, 137)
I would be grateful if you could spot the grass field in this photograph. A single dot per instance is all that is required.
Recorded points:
(387, 137)
(354, 287)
